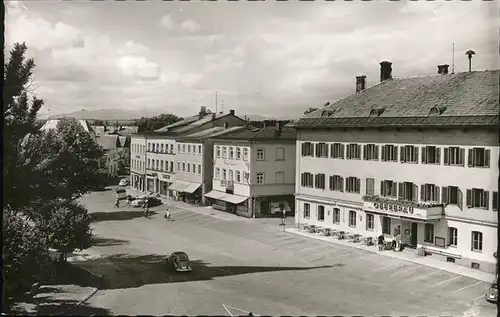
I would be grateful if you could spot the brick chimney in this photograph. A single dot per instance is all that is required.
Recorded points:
(360, 83)
(231, 112)
(443, 69)
(385, 70)
(278, 126)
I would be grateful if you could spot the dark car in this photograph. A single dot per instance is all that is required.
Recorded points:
(140, 201)
(492, 295)
(179, 262)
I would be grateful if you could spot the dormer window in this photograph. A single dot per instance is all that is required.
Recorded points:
(436, 111)
(326, 113)
(376, 112)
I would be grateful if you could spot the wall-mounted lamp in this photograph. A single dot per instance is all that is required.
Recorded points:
(328, 212)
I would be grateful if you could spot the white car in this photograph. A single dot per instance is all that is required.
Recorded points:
(124, 182)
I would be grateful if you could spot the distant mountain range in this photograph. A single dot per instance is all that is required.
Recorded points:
(118, 114)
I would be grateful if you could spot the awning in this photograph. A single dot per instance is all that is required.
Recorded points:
(178, 185)
(230, 198)
(191, 188)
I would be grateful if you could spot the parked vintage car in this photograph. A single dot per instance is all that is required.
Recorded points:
(141, 200)
(124, 182)
(179, 262)
(492, 295)
(121, 193)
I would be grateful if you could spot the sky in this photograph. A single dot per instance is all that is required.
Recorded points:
(267, 58)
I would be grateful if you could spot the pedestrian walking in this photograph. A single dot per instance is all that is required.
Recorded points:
(146, 209)
(167, 215)
(117, 203)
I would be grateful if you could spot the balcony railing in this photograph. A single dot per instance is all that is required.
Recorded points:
(400, 207)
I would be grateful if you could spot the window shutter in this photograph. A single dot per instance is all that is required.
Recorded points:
(376, 153)
(446, 156)
(462, 157)
(444, 195)
(330, 181)
(365, 152)
(348, 152)
(436, 193)
(422, 192)
(395, 157)
(486, 199)
(424, 155)
(382, 188)
(331, 150)
(400, 190)
(438, 156)
(358, 185)
(342, 151)
(341, 184)
(383, 154)
(303, 149)
(470, 158)
(316, 149)
(460, 199)
(403, 154)
(415, 192)
(416, 154)
(495, 201)
(486, 158)
(469, 198)
(358, 154)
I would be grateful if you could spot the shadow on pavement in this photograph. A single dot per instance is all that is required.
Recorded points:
(118, 215)
(66, 273)
(46, 306)
(125, 271)
(107, 242)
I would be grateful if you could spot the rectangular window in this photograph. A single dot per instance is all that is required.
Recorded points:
(370, 222)
(478, 157)
(188, 167)
(389, 153)
(336, 183)
(230, 175)
(336, 215)
(224, 152)
(245, 176)
(337, 150)
(217, 151)
(353, 152)
(307, 149)
(495, 201)
(280, 154)
(199, 169)
(149, 146)
(172, 167)
(245, 153)
(199, 149)
(477, 198)
(260, 178)
(452, 236)
(189, 148)
(408, 191)
(389, 188)
(238, 176)
(454, 156)
(370, 152)
(321, 150)
(431, 155)
(307, 210)
(280, 177)
(260, 155)
(429, 192)
(352, 218)
(217, 173)
(321, 213)
(386, 225)
(184, 167)
(162, 148)
(353, 185)
(319, 181)
(370, 186)
(184, 148)
(178, 166)
(171, 148)
(149, 163)
(307, 180)
(429, 233)
(238, 153)
(161, 165)
(409, 154)
(231, 152)
(178, 147)
(224, 174)
(452, 195)
(477, 241)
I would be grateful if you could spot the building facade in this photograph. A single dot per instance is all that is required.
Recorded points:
(254, 171)
(426, 166)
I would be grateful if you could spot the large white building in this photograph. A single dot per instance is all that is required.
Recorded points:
(254, 171)
(153, 164)
(420, 153)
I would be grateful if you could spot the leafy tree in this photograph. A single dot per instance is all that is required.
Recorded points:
(66, 225)
(25, 253)
(146, 124)
(98, 122)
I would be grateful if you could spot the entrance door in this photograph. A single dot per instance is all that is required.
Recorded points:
(413, 235)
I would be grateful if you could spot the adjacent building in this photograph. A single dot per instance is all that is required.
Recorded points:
(417, 154)
(254, 171)
(153, 154)
(116, 153)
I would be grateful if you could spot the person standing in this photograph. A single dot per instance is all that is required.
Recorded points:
(167, 214)
(146, 208)
(117, 203)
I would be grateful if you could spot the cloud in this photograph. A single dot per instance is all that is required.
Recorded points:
(190, 26)
(167, 22)
(139, 66)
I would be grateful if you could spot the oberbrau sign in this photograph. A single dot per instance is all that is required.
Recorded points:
(393, 207)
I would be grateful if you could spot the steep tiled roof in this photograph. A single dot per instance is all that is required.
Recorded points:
(108, 142)
(212, 132)
(454, 95)
(52, 124)
(267, 133)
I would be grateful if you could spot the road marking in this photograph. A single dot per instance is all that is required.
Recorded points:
(227, 307)
(202, 220)
(405, 271)
(428, 274)
(446, 281)
(466, 287)
(227, 310)
(387, 266)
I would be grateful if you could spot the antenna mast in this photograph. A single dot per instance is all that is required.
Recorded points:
(453, 60)
(216, 102)
(222, 106)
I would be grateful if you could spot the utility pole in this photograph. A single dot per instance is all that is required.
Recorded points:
(216, 105)
(453, 59)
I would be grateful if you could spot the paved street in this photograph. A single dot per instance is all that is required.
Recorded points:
(251, 265)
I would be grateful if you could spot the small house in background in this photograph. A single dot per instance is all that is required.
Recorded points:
(117, 153)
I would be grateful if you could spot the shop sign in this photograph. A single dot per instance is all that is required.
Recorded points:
(166, 176)
(393, 207)
(138, 156)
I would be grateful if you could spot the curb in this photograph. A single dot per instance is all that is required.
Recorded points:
(486, 280)
(96, 288)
